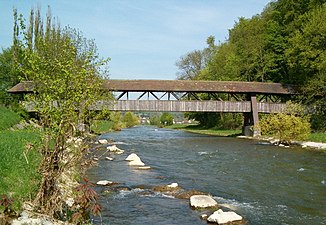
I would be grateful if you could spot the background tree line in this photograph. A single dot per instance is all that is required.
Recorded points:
(285, 43)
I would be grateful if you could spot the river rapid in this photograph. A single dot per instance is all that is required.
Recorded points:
(263, 183)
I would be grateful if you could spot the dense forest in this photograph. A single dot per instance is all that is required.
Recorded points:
(285, 43)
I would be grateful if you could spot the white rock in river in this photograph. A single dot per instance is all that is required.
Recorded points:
(104, 182)
(103, 141)
(173, 185)
(202, 201)
(113, 148)
(132, 157)
(221, 217)
(136, 162)
(109, 158)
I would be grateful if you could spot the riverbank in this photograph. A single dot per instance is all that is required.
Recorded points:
(315, 140)
(194, 128)
(20, 179)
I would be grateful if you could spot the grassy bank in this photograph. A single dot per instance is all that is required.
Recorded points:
(315, 137)
(19, 159)
(200, 130)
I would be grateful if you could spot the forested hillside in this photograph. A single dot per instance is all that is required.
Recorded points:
(286, 43)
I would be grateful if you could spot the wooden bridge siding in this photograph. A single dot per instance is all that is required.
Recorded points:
(188, 106)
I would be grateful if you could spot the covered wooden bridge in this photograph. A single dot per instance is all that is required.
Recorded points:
(249, 98)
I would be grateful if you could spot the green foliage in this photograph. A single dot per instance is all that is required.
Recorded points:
(8, 118)
(155, 121)
(130, 119)
(102, 126)
(9, 76)
(166, 119)
(222, 121)
(284, 44)
(65, 68)
(286, 127)
(116, 118)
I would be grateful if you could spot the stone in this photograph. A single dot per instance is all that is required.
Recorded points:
(204, 216)
(103, 141)
(137, 162)
(173, 185)
(221, 217)
(113, 148)
(202, 201)
(104, 182)
(109, 158)
(132, 157)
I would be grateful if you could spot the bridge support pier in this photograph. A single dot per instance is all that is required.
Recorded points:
(251, 119)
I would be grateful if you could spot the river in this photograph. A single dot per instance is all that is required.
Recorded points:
(263, 183)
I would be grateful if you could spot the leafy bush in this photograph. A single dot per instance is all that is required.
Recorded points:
(130, 119)
(166, 119)
(288, 126)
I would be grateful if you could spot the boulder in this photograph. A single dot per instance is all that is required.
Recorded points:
(173, 185)
(202, 201)
(115, 149)
(136, 162)
(104, 182)
(132, 157)
(173, 188)
(221, 217)
(103, 141)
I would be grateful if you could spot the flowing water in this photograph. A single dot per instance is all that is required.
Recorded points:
(263, 183)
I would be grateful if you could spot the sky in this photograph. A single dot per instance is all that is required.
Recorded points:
(143, 38)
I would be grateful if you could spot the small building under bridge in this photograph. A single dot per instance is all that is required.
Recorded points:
(249, 98)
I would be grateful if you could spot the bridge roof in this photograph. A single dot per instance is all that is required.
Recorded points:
(197, 86)
(181, 86)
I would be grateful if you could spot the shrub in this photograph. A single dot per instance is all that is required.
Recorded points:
(288, 126)
(130, 119)
(166, 119)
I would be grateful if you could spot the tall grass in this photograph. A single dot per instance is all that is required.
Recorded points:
(19, 159)
(8, 118)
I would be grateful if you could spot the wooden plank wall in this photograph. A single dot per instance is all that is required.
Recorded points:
(188, 106)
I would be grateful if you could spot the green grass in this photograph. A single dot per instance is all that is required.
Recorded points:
(18, 164)
(200, 130)
(8, 118)
(102, 126)
(317, 137)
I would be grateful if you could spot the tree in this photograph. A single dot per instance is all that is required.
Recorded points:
(65, 69)
(191, 64)
(9, 76)
(166, 119)
(130, 119)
